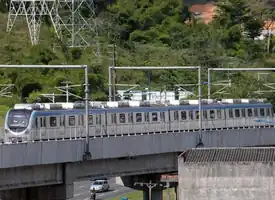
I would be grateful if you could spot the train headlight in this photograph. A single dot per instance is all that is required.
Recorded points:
(6, 131)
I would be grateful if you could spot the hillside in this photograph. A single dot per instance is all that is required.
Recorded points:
(146, 33)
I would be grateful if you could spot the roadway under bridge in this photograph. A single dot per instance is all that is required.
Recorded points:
(227, 174)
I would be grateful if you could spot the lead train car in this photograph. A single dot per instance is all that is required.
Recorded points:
(31, 124)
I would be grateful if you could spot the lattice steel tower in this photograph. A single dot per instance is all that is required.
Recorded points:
(73, 20)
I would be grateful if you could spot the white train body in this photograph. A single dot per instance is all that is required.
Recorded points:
(32, 122)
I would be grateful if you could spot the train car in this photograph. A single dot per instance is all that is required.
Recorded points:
(55, 121)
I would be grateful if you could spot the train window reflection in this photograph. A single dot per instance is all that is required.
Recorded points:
(183, 115)
(154, 117)
(52, 121)
(138, 117)
(237, 113)
(18, 118)
(212, 114)
(71, 120)
(249, 112)
(262, 112)
(121, 118)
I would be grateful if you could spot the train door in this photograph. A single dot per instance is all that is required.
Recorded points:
(91, 122)
(112, 123)
(155, 122)
(122, 123)
(146, 126)
(80, 126)
(138, 122)
(51, 127)
(62, 130)
(42, 128)
(131, 124)
(71, 126)
(98, 119)
(163, 120)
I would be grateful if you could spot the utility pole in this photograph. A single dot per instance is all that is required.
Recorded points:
(150, 186)
(66, 88)
(112, 71)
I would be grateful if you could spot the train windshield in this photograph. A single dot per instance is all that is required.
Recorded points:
(19, 118)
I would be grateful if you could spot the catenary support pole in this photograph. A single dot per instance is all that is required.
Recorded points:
(200, 142)
(232, 69)
(87, 154)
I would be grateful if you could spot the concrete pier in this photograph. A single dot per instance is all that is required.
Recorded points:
(227, 174)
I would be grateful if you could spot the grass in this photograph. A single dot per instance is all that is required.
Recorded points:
(138, 195)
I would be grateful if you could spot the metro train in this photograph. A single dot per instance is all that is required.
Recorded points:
(49, 121)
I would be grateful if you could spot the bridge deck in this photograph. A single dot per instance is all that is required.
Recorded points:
(252, 154)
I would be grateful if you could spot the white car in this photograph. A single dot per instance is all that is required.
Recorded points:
(100, 186)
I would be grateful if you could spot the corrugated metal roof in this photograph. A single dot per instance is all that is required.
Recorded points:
(253, 154)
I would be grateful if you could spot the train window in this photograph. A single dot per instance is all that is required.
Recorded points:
(243, 112)
(36, 122)
(219, 114)
(205, 114)
(61, 121)
(52, 121)
(183, 115)
(146, 117)
(230, 113)
(267, 112)
(71, 120)
(191, 114)
(249, 112)
(98, 119)
(90, 120)
(262, 112)
(138, 117)
(176, 115)
(80, 119)
(121, 118)
(42, 122)
(130, 117)
(113, 118)
(154, 117)
(197, 114)
(212, 114)
(237, 113)
(162, 116)
(255, 112)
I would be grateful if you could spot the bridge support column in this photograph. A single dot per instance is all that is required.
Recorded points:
(176, 192)
(156, 195)
(50, 192)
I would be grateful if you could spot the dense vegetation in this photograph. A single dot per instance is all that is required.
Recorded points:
(146, 32)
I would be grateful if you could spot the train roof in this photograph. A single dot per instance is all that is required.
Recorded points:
(139, 104)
